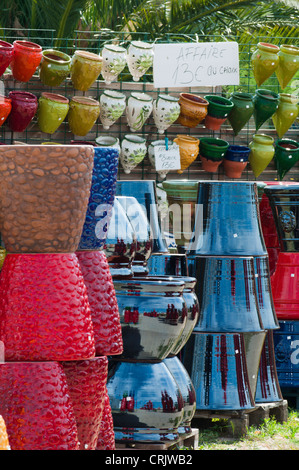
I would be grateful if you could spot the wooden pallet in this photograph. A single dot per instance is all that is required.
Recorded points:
(189, 441)
(239, 421)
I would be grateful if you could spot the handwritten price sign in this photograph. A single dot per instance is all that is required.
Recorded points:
(167, 159)
(196, 64)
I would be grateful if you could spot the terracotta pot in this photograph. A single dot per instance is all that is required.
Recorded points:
(50, 288)
(52, 110)
(6, 55)
(288, 64)
(43, 207)
(212, 152)
(264, 61)
(102, 302)
(36, 406)
(87, 386)
(82, 114)
(218, 110)
(189, 149)
(85, 69)
(23, 108)
(236, 160)
(194, 109)
(26, 58)
(54, 68)
(5, 108)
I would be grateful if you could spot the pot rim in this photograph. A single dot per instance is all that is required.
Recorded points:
(115, 139)
(4, 45)
(268, 46)
(164, 96)
(66, 59)
(262, 92)
(288, 141)
(24, 44)
(142, 44)
(153, 284)
(88, 55)
(22, 95)
(263, 138)
(85, 100)
(194, 99)
(55, 97)
(136, 139)
(221, 103)
(289, 98)
(291, 48)
(242, 95)
(114, 48)
(141, 96)
(214, 142)
(114, 94)
(187, 138)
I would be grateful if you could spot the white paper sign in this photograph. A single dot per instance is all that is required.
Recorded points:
(196, 64)
(167, 159)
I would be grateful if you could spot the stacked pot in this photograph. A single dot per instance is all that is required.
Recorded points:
(151, 394)
(54, 370)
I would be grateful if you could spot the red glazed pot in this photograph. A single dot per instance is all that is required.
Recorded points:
(36, 406)
(106, 438)
(102, 301)
(26, 58)
(284, 283)
(44, 309)
(6, 55)
(5, 108)
(24, 106)
(87, 387)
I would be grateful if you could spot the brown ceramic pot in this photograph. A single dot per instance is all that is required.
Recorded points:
(234, 169)
(189, 149)
(44, 193)
(194, 109)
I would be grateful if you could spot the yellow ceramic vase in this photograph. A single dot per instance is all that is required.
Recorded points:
(189, 149)
(286, 113)
(261, 153)
(288, 64)
(264, 61)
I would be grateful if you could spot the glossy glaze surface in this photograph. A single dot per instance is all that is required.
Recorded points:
(106, 439)
(54, 68)
(286, 353)
(23, 108)
(284, 283)
(6, 55)
(264, 292)
(173, 264)
(26, 58)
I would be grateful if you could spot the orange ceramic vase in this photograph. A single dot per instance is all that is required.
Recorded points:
(194, 109)
(26, 58)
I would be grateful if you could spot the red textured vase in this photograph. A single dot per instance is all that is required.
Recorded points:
(5, 108)
(36, 406)
(106, 438)
(26, 58)
(102, 301)
(44, 309)
(23, 108)
(284, 284)
(6, 55)
(87, 387)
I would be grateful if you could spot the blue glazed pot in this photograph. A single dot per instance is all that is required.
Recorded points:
(101, 200)
(264, 293)
(227, 220)
(171, 264)
(145, 400)
(237, 153)
(286, 347)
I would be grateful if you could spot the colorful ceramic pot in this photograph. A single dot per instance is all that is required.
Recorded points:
(286, 354)
(285, 287)
(168, 264)
(265, 104)
(146, 194)
(166, 110)
(26, 59)
(236, 222)
(112, 106)
(101, 199)
(217, 365)
(242, 110)
(23, 108)
(194, 109)
(39, 391)
(264, 61)
(218, 110)
(151, 154)
(120, 244)
(52, 110)
(187, 390)
(133, 152)
(82, 115)
(146, 402)
(236, 160)
(138, 110)
(286, 113)
(43, 211)
(108, 141)
(140, 57)
(102, 302)
(54, 68)
(114, 61)
(288, 64)
(264, 292)
(212, 151)
(189, 149)
(5, 108)
(144, 241)
(6, 55)
(261, 153)
(87, 387)
(85, 69)
(106, 439)
(152, 315)
(286, 156)
(57, 296)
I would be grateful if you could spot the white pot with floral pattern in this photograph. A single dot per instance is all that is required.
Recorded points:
(151, 155)
(108, 141)
(140, 58)
(138, 110)
(114, 61)
(133, 151)
(166, 110)
(112, 106)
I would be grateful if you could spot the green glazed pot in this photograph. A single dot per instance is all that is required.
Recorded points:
(52, 110)
(286, 156)
(265, 104)
(85, 69)
(288, 64)
(261, 153)
(213, 148)
(286, 113)
(264, 61)
(242, 110)
(55, 66)
(82, 114)
(218, 110)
